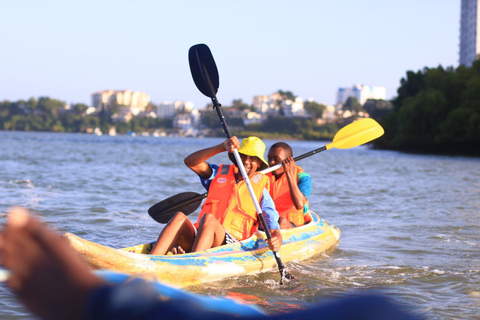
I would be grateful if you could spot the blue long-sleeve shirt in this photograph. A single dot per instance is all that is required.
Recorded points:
(266, 202)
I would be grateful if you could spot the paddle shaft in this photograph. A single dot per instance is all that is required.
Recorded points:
(300, 157)
(281, 266)
(311, 153)
(217, 107)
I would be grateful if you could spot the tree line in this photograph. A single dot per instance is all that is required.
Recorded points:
(436, 111)
(46, 114)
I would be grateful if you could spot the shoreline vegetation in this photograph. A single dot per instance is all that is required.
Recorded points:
(437, 111)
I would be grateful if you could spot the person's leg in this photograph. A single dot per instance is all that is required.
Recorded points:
(210, 234)
(50, 279)
(179, 230)
(283, 223)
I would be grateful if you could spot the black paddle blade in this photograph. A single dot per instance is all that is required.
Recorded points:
(288, 276)
(186, 202)
(204, 70)
(284, 275)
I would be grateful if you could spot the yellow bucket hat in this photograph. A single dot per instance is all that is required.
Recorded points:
(252, 146)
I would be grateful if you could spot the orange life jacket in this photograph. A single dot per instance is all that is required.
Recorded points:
(231, 203)
(280, 192)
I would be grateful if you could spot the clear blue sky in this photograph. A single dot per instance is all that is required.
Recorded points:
(69, 49)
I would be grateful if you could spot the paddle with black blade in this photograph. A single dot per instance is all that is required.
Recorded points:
(187, 202)
(352, 135)
(205, 75)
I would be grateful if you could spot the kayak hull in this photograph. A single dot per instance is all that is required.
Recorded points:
(241, 258)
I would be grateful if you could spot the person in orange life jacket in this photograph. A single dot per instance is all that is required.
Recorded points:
(228, 214)
(290, 187)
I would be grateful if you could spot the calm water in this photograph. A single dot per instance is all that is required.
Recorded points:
(410, 223)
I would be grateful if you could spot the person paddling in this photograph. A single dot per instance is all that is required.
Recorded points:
(290, 186)
(228, 214)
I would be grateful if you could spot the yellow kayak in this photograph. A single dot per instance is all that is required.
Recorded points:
(245, 257)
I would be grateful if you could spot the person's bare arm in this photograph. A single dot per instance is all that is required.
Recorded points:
(298, 198)
(197, 161)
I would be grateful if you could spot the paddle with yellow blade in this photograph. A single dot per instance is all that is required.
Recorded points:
(352, 135)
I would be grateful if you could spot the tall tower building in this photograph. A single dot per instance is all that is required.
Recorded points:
(469, 32)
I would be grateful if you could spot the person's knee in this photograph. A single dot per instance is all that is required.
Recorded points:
(178, 218)
(209, 218)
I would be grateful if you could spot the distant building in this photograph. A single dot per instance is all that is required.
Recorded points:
(90, 110)
(270, 105)
(195, 114)
(231, 113)
(469, 32)
(183, 121)
(135, 101)
(361, 92)
(329, 113)
(168, 110)
(251, 117)
(267, 104)
(294, 108)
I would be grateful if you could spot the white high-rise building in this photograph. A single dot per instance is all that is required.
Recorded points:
(361, 92)
(469, 32)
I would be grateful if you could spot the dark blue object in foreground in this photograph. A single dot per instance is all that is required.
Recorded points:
(139, 299)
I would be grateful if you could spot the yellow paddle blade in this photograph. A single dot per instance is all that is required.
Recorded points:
(357, 133)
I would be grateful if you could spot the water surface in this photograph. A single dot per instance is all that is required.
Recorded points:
(410, 223)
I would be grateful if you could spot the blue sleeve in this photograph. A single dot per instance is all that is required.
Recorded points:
(206, 182)
(140, 300)
(269, 211)
(143, 300)
(305, 184)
